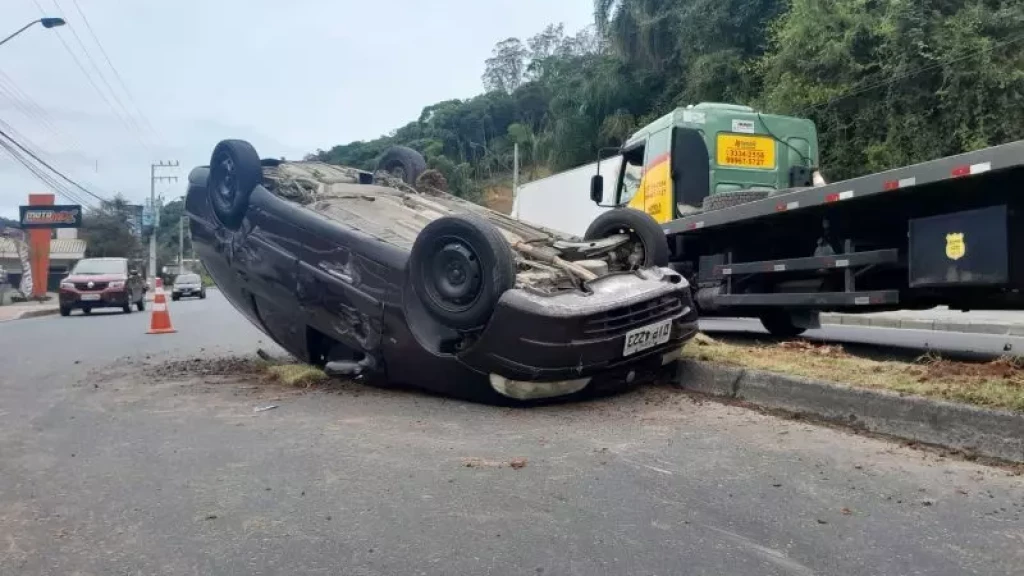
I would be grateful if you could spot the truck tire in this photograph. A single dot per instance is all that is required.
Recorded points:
(234, 171)
(779, 323)
(727, 199)
(403, 162)
(459, 267)
(638, 224)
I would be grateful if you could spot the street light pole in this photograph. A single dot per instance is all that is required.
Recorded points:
(46, 22)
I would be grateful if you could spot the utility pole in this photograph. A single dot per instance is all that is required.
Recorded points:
(156, 210)
(515, 172)
(181, 244)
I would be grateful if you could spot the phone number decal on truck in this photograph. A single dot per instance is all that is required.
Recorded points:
(746, 151)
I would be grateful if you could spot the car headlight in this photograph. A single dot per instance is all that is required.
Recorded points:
(117, 284)
(67, 285)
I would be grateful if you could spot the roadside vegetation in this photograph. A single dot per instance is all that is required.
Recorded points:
(997, 383)
(888, 83)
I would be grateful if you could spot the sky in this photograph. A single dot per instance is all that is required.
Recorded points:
(291, 77)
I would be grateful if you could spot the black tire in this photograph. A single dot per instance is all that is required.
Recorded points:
(202, 295)
(141, 304)
(175, 297)
(459, 268)
(234, 171)
(636, 223)
(780, 324)
(65, 311)
(86, 311)
(403, 162)
(727, 199)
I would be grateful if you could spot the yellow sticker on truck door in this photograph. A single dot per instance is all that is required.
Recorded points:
(655, 193)
(741, 151)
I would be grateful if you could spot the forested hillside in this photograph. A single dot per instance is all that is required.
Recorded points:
(888, 82)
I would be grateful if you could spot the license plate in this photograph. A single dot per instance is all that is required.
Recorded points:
(647, 337)
(746, 151)
(90, 297)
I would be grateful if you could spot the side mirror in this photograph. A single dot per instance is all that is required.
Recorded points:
(597, 189)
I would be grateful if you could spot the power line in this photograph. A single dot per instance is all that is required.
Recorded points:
(103, 78)
(117, 75)
(27, 142)
(42, 176)
(88, 77)
(48, 166)
(33, 112)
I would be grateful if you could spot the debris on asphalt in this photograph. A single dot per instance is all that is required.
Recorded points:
(515, 463)
(846, 511)
(927, 502)
(264, 408)
(211, 517)
(820, 521)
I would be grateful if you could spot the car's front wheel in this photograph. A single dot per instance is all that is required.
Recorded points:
(648, 245)
(65, 311)
(459, 267)
(234, 171)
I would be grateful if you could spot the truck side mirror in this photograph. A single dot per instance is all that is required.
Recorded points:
(597, 189)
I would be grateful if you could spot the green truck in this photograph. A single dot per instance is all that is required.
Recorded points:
(758, 233)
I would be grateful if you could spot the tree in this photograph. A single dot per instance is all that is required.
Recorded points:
(106, 232)
(503, 71)
(887, 82)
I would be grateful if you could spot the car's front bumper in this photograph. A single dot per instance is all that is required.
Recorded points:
(567, 338)
(109, 298)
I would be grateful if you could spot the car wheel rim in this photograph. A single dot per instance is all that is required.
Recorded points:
(454, 275)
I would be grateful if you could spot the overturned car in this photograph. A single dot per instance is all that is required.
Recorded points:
(364, 274)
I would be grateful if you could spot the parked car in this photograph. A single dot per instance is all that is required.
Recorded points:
(102, 283)
(364, 274)
(187, 285)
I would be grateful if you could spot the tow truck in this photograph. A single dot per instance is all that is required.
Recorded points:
(756, 230)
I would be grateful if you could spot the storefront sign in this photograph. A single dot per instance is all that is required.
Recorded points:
(56, 216)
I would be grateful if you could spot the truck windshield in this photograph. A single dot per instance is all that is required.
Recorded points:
(99, 267)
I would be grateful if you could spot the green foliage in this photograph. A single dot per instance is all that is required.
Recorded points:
(106, 232)
(888, 82)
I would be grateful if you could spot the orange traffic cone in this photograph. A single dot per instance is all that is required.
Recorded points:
(161, 320)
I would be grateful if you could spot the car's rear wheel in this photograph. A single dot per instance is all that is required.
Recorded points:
(234, 171)
(65, 311)
(86, 310)
(459, 267)
(648, 245)
(404, 163)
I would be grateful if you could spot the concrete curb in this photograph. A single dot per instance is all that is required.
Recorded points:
(32, 314)
(995, 328)
(992, 433)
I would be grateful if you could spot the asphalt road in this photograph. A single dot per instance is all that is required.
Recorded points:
(109, 466)
(955, 343)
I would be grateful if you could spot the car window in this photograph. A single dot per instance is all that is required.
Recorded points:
(100, 267)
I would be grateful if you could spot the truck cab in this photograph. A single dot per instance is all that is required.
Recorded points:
(710, 155)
